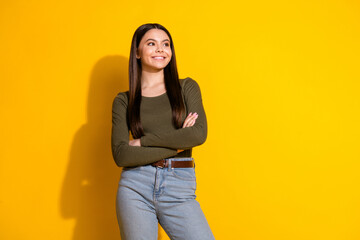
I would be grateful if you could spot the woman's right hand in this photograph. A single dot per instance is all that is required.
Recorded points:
(189, 122)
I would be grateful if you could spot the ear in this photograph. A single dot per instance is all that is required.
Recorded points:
(137, 54)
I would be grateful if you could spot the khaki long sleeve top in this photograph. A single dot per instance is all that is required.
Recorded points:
(161, 139)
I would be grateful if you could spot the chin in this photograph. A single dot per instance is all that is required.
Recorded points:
(157, 67)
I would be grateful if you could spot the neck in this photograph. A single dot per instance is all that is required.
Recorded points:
(153, 78)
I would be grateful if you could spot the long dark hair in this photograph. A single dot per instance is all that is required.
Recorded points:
(172, 84)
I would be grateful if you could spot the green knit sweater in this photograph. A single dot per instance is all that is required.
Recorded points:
(161, 139)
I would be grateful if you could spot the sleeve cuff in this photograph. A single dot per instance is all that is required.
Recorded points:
(142, 141)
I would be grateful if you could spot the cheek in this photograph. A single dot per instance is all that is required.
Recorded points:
(146, 52)
(169, 53)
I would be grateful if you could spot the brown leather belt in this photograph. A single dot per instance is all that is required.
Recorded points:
(164, 163)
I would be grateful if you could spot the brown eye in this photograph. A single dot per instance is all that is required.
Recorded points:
(149, 44)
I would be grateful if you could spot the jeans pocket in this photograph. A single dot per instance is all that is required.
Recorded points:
(184, 173)
(126, 171)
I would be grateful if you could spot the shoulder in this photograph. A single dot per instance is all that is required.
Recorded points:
(189, 84)
(189, 87)
(121, 98)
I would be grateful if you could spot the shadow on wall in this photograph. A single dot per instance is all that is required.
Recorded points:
(89, 188)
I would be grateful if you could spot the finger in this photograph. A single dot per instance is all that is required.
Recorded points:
(192, 117)
(193, 120)
(190, 120)
(187, 120)
(190, 123)
(187, 124)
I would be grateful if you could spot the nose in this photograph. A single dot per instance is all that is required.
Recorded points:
(159, 49)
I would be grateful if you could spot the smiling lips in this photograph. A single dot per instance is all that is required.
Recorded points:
(159, 58)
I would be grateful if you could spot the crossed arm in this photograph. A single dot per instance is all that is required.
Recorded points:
(152, 147)
(189, 122)
(124, 154)
(187, 137)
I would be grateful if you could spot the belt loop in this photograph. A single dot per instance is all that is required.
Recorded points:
(169, 165)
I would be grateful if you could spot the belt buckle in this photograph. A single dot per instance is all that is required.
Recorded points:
(163, 164)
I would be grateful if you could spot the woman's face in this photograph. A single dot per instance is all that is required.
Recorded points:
(154, 50)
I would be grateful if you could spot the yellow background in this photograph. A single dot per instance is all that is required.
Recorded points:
(280, 85)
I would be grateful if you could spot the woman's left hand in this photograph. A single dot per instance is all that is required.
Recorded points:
(135, 142)
(190, 120)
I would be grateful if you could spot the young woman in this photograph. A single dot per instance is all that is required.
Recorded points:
(166, 118)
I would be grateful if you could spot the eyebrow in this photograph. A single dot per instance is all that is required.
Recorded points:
(155, 40)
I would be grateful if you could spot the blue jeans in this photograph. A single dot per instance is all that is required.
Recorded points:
(150, 195)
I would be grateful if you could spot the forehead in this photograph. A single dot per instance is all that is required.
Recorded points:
(156, 34)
